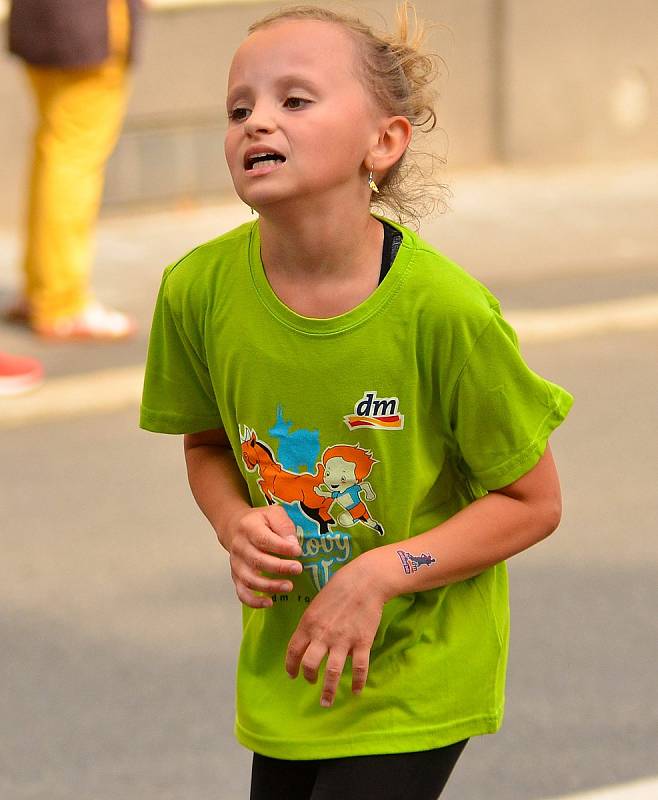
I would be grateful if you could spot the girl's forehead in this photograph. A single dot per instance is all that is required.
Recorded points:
(305, 43)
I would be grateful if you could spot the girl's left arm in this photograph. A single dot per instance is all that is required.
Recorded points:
(343, 618)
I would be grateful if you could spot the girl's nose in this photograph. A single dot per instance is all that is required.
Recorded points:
(259, 121)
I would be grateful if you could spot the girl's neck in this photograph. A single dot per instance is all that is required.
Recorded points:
(312, 248)
(322, 266)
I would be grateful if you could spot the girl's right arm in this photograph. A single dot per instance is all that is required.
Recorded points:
(258, 540)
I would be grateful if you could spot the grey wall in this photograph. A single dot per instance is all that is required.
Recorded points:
(567, 81)
(580, 80)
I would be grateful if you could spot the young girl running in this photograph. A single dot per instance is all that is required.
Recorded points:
(360, 428)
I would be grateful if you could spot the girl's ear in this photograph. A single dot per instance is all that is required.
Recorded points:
(394, 138)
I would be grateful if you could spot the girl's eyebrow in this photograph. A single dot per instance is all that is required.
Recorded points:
(297, 80)
(236, 91)
(284, 81)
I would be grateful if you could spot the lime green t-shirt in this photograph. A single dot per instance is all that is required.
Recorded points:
(399, 413)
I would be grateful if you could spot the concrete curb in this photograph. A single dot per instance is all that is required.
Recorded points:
(637, 790)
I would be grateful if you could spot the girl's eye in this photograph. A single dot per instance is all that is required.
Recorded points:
(239, 114)
(296, 102)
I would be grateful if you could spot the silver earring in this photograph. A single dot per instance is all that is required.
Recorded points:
(371, 182)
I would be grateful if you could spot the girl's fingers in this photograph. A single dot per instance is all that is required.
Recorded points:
(260, 533)
(259, 583)
(360, 665)
(312, 659)
(250, 599)
(280, 524)
(262, 562)
(309, 657)
(249, 569)
(279, 521)
(266, 541)
(269, 530)
(332, 673)
(295, 652)
(251, 565)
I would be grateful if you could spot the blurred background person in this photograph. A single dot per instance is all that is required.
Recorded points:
(77, 58)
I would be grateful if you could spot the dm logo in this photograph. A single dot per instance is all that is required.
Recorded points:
(376, 412)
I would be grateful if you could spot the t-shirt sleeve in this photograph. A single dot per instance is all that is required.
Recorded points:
(502, 413)
(178, 396)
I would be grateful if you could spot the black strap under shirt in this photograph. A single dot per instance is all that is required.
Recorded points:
(392, 242)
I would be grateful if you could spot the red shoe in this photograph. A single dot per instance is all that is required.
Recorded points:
(95, 321)
(19, 374)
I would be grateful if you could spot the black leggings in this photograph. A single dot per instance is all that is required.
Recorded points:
(399, 776)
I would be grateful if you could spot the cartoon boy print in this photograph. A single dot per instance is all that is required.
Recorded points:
(345, 470)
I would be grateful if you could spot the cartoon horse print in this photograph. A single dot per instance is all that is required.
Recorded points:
(289, 487)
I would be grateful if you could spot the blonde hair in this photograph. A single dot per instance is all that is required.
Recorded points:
(401, 77)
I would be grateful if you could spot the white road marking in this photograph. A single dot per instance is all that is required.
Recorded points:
(74, 395)
(115, 389)
(638, 790)
(568, 322)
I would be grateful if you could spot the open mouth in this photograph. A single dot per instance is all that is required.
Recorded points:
(264, 159)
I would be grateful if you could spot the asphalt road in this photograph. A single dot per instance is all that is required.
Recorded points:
(120, 629)
(118, 624)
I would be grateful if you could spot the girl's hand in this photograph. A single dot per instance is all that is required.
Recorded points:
(341, 620)
(257, 539)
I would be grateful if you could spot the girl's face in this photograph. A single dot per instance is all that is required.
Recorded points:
(293, 93)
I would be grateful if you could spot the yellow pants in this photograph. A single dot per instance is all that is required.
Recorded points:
(80, 112)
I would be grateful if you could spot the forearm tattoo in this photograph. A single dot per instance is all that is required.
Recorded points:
(411, 562)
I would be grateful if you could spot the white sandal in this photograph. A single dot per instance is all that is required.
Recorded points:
(95, 321)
